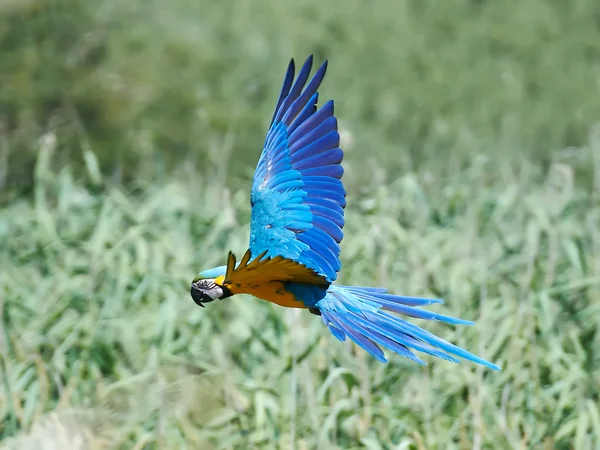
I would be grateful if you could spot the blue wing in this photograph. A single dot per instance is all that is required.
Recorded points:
(298, 198)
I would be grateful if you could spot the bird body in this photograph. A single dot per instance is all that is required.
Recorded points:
(289, 295)
(272, 291)
(297, 217)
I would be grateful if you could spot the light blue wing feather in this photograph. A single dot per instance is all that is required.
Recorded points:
(298, 198)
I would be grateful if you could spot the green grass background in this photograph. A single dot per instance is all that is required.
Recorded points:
(129, 134)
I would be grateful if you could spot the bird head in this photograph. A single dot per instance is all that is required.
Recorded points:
(208, 286)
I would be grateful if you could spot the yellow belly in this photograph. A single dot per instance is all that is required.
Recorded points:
(275, 292)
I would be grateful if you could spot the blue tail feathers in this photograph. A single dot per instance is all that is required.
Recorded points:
(362, 314)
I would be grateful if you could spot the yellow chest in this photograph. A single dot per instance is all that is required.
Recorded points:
(274, 292)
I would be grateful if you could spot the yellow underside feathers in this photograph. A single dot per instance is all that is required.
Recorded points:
(269, 269)
(264, 279)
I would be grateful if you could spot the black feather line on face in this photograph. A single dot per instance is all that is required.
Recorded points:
(226, 292)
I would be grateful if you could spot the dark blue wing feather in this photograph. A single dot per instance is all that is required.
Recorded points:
(298, 198)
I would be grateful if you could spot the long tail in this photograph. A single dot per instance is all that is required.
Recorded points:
(361, 314)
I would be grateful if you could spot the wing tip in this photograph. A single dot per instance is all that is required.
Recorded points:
(323, 68)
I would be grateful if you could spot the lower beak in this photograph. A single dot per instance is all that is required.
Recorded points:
(199, 297)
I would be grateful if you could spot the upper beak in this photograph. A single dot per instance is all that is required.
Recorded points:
(199, 296)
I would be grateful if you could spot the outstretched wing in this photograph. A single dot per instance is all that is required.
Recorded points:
(298, 198)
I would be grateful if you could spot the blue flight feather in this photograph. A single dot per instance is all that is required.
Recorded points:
(332, 185)
(315, 240)
(328, 126)
(285, 88)
(334, 171)
(329, 227)
(283, 222)
(284, 177)
(327, 213)
(328, 142)
(303, 98)
(337, 197)
(309, 109)
(332, 156)
(312, 122)
(295, 90)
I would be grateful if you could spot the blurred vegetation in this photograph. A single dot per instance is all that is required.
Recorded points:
(146, 84)
(96, 315)
(128, 135)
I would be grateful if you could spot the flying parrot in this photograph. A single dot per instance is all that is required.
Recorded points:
(298, 202)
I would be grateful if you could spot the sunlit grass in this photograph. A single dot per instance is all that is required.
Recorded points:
(96, 316)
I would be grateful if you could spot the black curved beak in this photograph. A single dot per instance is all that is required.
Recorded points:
(199, 296)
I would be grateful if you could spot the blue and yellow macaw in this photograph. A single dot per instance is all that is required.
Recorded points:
(298, 202)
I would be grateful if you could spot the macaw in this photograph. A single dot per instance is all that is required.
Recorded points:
(297, 216)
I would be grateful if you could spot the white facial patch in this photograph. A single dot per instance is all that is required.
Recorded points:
(209, 288)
